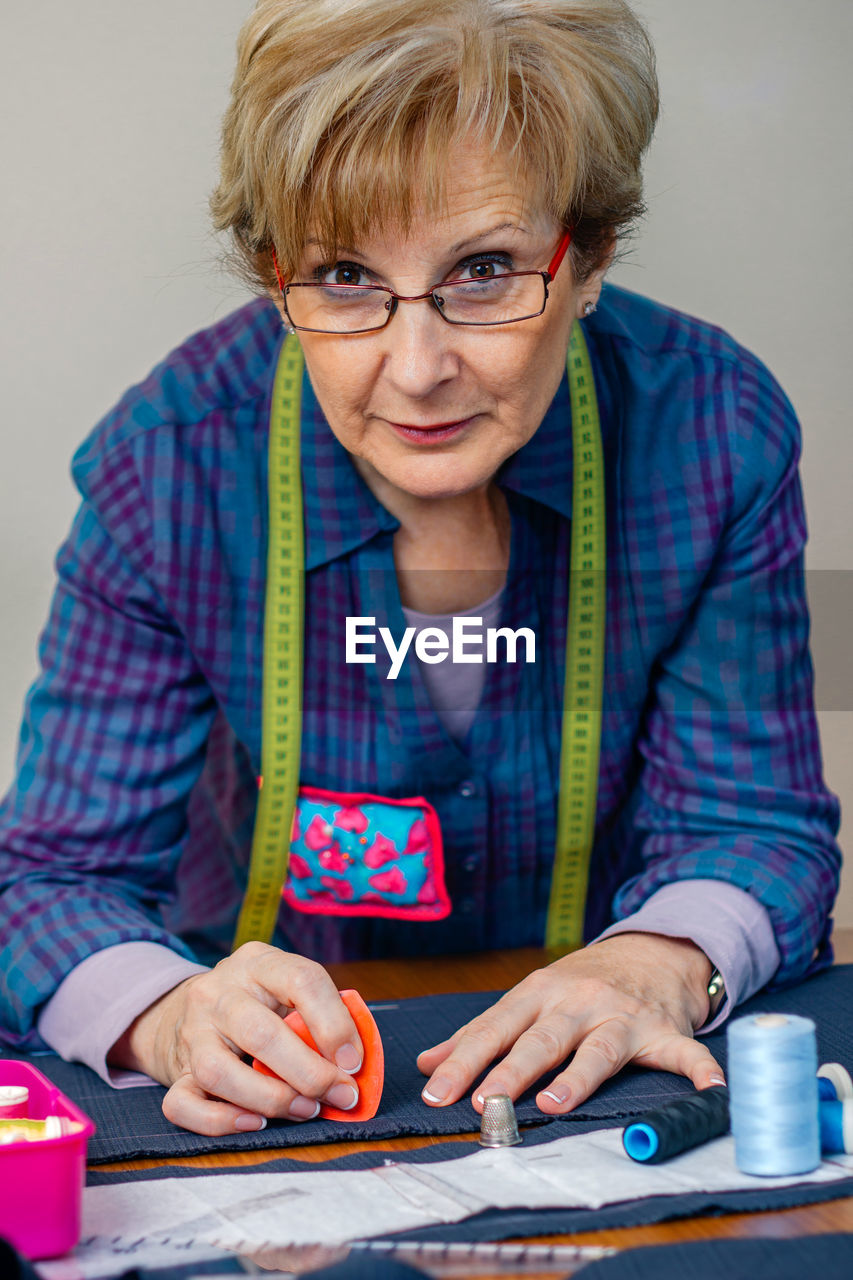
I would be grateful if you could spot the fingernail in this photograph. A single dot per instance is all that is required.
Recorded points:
(302, 1108)
(342, 1096)
(717, 1080)
(437, 1089)
(348, 1059)
(559, 1095)
(250, 1124)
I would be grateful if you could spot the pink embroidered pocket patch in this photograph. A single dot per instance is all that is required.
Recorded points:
(354, 854)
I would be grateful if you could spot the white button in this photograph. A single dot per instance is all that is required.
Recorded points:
(467, 788)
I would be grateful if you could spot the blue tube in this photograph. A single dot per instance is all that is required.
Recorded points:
(640, 1141)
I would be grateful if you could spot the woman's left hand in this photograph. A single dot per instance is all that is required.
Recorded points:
(635, 997)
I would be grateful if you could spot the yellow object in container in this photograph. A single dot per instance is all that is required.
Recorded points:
(22, 1130)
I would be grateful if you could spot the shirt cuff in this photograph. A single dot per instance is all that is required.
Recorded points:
(97, 1001)
(730, 926)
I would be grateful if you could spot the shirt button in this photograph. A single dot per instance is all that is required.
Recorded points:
(467, 788)
(470, 864)
(467, 906)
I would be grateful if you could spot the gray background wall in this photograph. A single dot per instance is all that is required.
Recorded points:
(110, 118)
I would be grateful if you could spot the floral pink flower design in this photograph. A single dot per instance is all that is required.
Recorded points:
(418, 840)
(299, 868)
(341, 888)
(426, 893)
(333, 859)
(392, 881)
(381, 851)
(351, 818)
(318, 834)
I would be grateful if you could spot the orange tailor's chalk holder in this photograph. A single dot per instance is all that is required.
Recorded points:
(370, 1077)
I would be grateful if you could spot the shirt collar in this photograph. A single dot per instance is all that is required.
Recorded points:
(341, 512)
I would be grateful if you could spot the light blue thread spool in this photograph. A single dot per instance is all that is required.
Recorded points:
(772, 1074)
(836, 1126)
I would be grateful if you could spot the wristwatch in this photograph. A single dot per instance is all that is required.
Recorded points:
(716, 994)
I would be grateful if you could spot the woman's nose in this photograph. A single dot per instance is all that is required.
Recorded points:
(419, 348)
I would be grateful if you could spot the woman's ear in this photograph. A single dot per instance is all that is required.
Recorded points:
(590, 290)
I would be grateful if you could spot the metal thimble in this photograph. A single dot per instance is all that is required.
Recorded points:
(499, 1127)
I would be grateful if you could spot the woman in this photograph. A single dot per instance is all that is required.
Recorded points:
(428, 196)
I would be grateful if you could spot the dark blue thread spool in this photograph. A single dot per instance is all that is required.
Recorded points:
(834, 1082)
(836, 1126)
(688, 1122)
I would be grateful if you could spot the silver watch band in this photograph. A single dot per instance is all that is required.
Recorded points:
(716, 993)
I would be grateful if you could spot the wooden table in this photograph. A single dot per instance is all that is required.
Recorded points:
(398, 979)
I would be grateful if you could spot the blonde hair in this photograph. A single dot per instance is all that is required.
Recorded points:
(343, 112)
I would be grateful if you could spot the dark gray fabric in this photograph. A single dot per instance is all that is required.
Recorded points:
(131, 1124)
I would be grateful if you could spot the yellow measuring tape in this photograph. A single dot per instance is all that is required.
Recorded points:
(584, 678)
(284, 623)
(283, 660)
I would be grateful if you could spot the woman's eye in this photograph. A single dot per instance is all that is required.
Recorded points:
(484, 268)
(342, 273)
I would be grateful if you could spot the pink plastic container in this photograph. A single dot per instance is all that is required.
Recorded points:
(41, 1183)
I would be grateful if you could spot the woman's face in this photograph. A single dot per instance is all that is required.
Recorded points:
(429, 408)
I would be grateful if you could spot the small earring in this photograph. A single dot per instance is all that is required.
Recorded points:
(588, 309)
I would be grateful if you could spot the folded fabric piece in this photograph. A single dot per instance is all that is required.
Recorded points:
(131, 1124)
(540, 1186)
(507, 1224)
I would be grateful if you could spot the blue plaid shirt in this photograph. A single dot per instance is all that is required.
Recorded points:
(131, 813)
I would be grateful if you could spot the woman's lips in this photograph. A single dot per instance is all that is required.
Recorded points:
(431, 434)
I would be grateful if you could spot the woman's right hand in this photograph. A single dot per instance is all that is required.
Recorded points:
(194, 1037)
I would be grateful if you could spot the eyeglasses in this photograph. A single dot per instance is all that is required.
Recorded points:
(504, 297)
